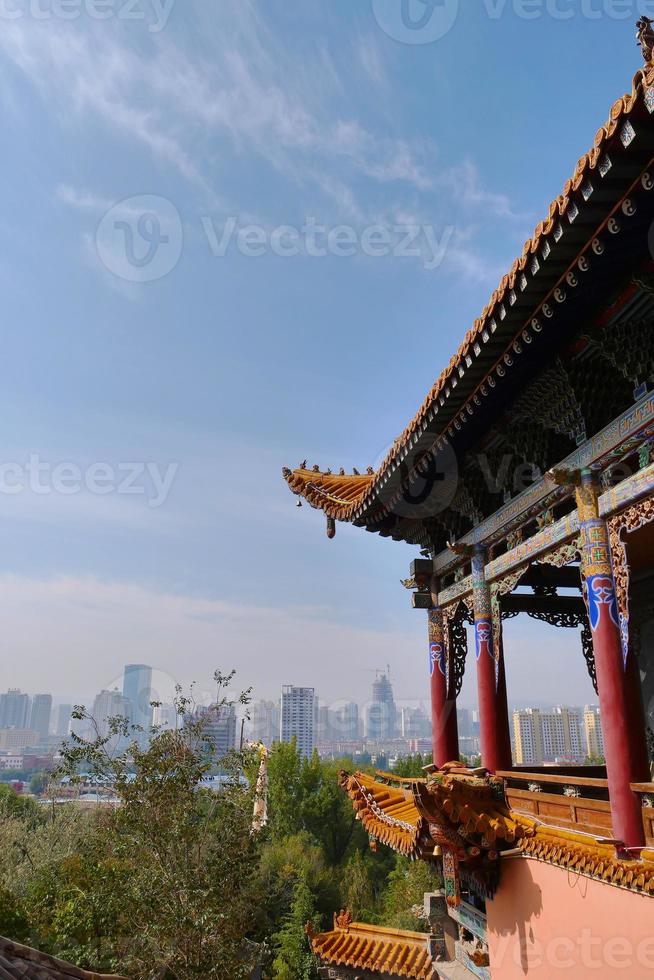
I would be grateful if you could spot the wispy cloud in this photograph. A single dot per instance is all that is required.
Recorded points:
(372, 61)
(82, 200)
(245, 93)
(170, 103)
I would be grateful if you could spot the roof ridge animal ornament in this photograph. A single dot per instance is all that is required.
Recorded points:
(342, 919)
(645, 38)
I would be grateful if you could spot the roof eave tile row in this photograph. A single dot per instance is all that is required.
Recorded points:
(388, 815)
(390, 952)
(580, 854)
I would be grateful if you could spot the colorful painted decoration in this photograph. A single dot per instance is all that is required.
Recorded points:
(436, 658)
(451, 878)
(601, 597)
(483, 637)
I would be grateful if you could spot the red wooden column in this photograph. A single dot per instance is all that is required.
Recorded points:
(491, 677)
(444, 728)
(618, 682)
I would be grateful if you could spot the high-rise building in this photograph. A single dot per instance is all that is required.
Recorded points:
(464, 722)
(64, 711)
(414, 723)
(219, 728)
(298, 717)
(263, 725)
(545, 736)
(324, 725)
(14, 709)
(594, 737)
(109, 704)
(345, 721)
(40, 714)
(381, 714)
(137, 689)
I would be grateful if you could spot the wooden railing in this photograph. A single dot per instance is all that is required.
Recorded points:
(562, 799)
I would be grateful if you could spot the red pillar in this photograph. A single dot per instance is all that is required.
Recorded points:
(491, 678)
(621, 709)
(444, 728)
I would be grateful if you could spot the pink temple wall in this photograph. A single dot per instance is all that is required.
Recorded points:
(545, 922)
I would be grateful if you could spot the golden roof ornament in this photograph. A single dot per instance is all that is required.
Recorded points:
(645, 38)
(342, 919)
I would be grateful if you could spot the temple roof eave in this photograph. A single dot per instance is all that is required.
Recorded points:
(461, 805)
(513, 305)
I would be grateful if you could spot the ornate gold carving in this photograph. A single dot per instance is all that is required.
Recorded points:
(435, 621)
(342, 919)
(627, 522)
(563, 555)
(587, 495)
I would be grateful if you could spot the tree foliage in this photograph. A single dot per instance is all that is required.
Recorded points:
(162, 885)
(404, 896)
(294, 960)
(170, 883)
(411, 765)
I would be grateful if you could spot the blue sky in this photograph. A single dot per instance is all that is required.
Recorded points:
(238, 113)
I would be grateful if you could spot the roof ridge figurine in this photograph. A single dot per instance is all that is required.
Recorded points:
(645, 38)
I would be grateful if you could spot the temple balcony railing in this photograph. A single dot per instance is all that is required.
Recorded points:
(562, 797)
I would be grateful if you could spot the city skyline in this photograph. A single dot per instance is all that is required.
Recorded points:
(62, 699)
(382, 725)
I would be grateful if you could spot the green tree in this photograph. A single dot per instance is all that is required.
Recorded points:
(294, 959)
(13, 919)
(405, 892)
(14, 806)
(410, 766)
(77, 906)
(327, 812)
(39, 783)
(304, 795)
(282, 865)
(285, 790)
(184, 856)
(358, 888)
